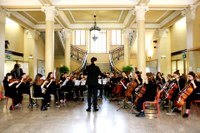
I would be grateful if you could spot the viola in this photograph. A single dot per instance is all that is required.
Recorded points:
(187, 90)
(172, 88)
(130, 89)
(140, 93)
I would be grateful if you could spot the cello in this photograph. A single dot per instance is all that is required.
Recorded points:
(119, 87)
(187, 90)
(140, 93)
(130, 89)
(172, 88)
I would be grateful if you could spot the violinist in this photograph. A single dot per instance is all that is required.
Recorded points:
(23, 86)
(194, 95)
(10, 89)
(51, 88)
(181, 84)
(38, 92)
(160, 80)
(150, 94)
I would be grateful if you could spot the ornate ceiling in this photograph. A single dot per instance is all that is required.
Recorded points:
(110, 13)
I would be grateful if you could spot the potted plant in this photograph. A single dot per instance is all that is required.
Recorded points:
(127, 69)
(63, 69)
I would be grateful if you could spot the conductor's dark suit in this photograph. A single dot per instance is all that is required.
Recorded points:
(92, 73)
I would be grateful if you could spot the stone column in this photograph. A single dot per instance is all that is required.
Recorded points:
(141, 53)
(50, 13)
(31, 50)
(67, 47)
(2, 43)
(190, 14)
(164, 51)
(126, 47)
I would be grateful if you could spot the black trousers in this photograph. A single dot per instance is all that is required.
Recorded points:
(191, 97)
(92, 95)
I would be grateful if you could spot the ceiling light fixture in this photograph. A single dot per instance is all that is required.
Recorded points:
(95, 30)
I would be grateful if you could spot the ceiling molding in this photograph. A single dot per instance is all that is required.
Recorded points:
(148, 26)
(170, 18)
(102, 26)
(42, 27)
(22, 18)
(64, 18)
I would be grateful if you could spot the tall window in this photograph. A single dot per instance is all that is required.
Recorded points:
(99, 46)
(79, 37)
(116, 37)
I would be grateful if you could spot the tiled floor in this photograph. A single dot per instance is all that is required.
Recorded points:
(72, 118)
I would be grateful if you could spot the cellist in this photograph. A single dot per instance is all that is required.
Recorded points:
(151, 88)
(194, 95)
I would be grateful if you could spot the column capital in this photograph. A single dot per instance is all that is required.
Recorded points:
(50, 12)
(189, 13)
(66, 30)
(163, 32)
(3, 14)
(140, 12)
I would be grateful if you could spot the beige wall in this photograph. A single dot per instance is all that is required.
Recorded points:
(178, 36)
(197, 29)
(14, 33)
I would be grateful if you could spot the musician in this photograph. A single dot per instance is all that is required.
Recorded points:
(10, 89)
(92, 71)
(194, 95)
(160, 80)
(150, 94)
(63, 81)
(82, 85)
(39, 92)
(138, 78)
(51, 88)
(181, 84)
(23, 86)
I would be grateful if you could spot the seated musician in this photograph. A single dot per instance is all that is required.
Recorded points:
(63, 81)
(38, 92)
(194, 95)
(138, 80)
(82, 85)
(149, 95)
(51, 88)
(160, 80)
(10, 89)
(181, 84)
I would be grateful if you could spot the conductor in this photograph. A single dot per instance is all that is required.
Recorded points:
(92, 71)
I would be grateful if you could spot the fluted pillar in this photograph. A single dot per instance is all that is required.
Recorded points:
(141, 53)
(126, 46)
(67, 47)
(50, 13)
(2, 43)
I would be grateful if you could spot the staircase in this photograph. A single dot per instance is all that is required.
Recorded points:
(115, 56)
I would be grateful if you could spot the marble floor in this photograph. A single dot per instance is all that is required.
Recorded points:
(72, 118)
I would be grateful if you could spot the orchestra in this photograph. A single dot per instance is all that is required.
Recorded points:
(175, 89)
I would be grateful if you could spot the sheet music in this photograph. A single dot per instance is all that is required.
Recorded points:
(65, 82)
(83, 82)
(100, 81)
(77, 82)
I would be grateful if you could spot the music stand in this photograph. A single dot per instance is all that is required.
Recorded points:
(124, 104)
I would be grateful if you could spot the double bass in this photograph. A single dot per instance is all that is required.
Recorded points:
(130, 89)
(172, 88)
(187, 90)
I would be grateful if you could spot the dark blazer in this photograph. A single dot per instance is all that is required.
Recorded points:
(92, 71)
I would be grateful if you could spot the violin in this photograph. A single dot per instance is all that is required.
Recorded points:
(13, 80)
(130, 89)
(186, 91)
